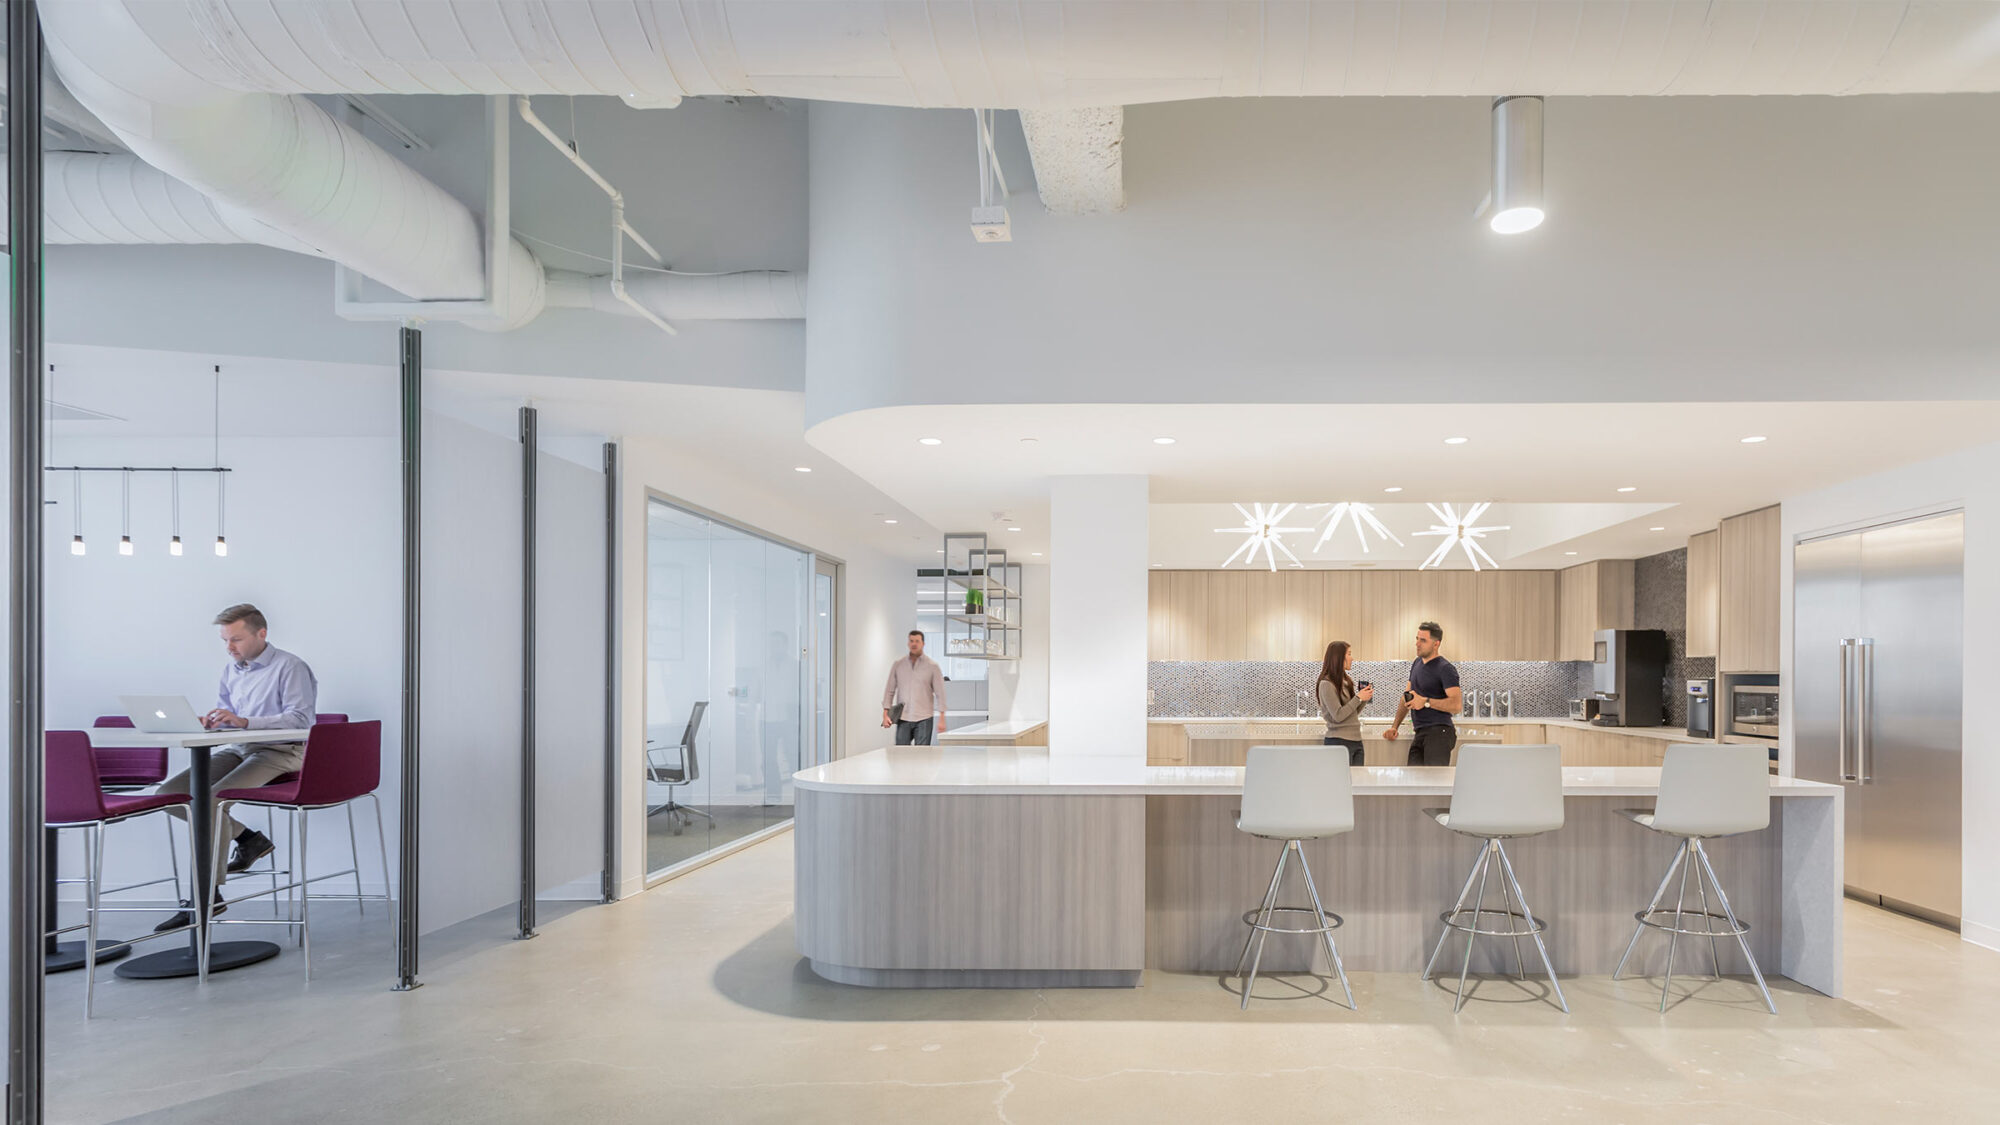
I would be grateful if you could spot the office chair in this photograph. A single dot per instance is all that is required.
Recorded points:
(682, 773)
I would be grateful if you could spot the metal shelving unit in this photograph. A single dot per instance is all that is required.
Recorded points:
(982, 599)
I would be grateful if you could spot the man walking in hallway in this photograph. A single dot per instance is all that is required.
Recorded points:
(1430, 701)
(914, 697)
(263, 688)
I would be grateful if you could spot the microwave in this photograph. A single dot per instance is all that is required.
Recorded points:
(1753, 710)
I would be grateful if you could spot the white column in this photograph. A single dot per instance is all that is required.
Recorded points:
(1097, 616)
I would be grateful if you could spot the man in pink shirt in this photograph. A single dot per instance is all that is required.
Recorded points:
(914, 697)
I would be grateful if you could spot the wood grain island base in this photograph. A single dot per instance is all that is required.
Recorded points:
(921, 867)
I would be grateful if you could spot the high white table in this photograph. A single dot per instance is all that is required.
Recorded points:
(222, 954)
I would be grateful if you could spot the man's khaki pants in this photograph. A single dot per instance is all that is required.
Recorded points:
(244, 766)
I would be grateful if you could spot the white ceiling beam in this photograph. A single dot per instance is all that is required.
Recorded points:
(1079, 157)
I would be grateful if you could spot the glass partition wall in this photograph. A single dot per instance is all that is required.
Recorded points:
(728, 640)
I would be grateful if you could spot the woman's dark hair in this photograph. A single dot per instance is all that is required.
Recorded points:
(1335, 669)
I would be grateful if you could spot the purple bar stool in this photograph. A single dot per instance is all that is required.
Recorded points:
(343, 764)
(127, 769)
(76, 799)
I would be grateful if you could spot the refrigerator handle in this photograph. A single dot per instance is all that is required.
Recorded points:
(1846, 699)
(1864, 739)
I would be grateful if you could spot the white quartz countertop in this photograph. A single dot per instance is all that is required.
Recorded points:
(1669, 734)
(998, 728)
(1029, 771)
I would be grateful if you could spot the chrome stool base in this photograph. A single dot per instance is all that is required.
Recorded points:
(1692, 857)
(1521, 922)
(1259, 921)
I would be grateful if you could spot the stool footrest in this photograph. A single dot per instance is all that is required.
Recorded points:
(1663, 919)
(1333, 921)
(1453, 919)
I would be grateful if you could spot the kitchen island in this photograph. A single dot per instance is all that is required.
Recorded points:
(1223, 740)
(1006, 867)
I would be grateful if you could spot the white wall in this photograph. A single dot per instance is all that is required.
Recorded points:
(1020, 690)
(1969, 479)
(877, 608)
(569, 680)
(1097, 616)
(471, 749)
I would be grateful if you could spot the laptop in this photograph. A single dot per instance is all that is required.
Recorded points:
(162, 714)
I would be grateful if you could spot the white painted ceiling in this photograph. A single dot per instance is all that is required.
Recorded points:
(995, 461)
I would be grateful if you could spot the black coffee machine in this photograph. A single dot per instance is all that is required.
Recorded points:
(1628, 672)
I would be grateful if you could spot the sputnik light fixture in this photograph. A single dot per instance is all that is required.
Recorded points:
(1459, 531)
(1516, 202)
(1261, 531)
(1363, 518)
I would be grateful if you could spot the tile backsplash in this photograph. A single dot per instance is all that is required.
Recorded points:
(1183, 688)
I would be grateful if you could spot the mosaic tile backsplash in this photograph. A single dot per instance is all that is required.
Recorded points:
(1191, 688)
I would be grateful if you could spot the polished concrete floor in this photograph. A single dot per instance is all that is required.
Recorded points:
(689, 1003)
(724, 824)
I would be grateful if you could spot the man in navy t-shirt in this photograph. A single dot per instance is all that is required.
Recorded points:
(1430, 702)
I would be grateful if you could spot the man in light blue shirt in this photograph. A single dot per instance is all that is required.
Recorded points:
(263, 688)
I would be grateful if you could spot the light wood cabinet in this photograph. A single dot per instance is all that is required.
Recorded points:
(1523, 734)
(1231, 615)
(1704, 593)
(1749, 556)
(1606, 747)
(1596, 595)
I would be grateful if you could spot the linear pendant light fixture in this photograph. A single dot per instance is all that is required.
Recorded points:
(174, 545)
(125, 514)
(76, 513)
(1516, 202)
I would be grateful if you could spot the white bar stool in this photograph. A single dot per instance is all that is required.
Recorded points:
(1500, 793)
(1294, 793)
(1705, 792)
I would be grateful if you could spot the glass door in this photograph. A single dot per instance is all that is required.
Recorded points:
(825, 666)
(727, 642)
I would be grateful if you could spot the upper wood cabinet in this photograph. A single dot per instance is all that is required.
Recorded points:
(1749, 554)
(1292, 614)
(1704, 593)
(1596, 595)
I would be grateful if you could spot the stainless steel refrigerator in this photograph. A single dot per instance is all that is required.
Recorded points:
(1878, 644)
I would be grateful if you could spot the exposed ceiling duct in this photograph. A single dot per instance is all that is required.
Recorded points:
(209, 91)
(121, 200)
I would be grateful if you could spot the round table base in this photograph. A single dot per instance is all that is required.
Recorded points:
(68, 955)
(181, 962)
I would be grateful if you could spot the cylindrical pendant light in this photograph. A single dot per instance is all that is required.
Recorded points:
(1517, 165)
(221, 543)
(125, 513)
(174, 545)
(76, 513)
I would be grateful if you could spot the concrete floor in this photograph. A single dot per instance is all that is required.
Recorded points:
(689, 1003)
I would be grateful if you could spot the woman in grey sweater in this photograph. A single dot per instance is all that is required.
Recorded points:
(1340, 703)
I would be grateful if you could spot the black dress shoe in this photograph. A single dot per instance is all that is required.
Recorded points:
(186, 916)
(250, 848)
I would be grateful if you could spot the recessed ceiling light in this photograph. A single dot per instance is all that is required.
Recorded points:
(1565, 552)
(1753, 439)
(1394, 488)
(1656, 529)
(1628, 488)
(802, 468)
(1163, 441)
(1013, 529)
(1035, 554)
(941, 551)
(888, 521)
(1029, 440)
(930, 441)
(1456, 440)
(1156, 565)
